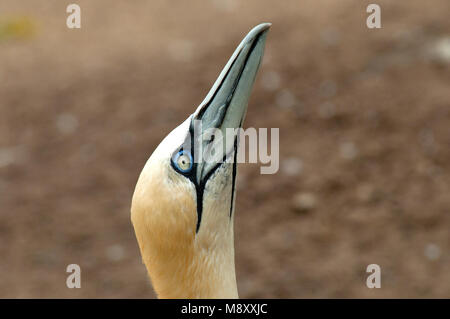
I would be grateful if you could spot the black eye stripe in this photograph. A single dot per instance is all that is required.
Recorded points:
(200, 186)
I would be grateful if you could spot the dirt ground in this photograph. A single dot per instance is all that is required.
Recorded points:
(364, 118)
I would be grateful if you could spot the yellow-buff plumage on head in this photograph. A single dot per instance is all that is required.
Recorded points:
(182, 207)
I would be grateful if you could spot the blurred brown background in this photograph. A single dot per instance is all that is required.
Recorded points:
(364, 118)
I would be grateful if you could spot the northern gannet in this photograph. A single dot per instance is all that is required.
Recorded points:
(183, 204)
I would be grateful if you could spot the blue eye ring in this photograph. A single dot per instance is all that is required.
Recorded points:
(183, 161)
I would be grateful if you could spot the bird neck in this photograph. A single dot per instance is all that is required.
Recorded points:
(193, 271)
(181, 262)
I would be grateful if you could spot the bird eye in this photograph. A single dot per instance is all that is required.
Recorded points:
(183, 161)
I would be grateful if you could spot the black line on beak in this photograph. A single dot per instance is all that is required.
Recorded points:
(201, 187)
(233, 181)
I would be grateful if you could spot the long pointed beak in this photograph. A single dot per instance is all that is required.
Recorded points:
(225, 105)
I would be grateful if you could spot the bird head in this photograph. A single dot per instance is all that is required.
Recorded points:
(183, 204)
